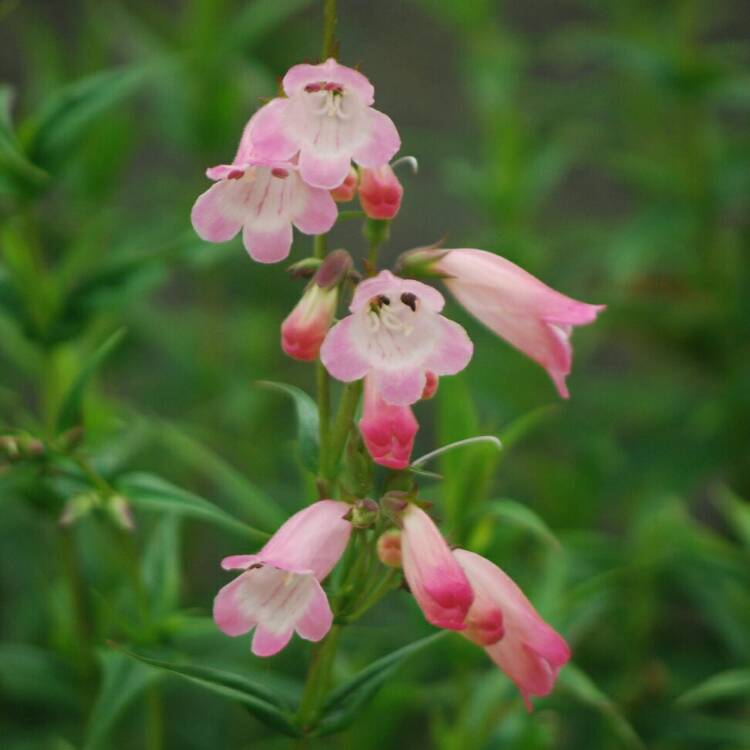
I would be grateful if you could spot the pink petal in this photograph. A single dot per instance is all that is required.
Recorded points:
(300, 76)
(318, 214)
(382, 141)
(235, 562)
(212, 219)
(228, 613)
(386, 283)
(266, 643)
(222, 171)
(338, 353)
(400, 387)
(269, 246)
(318, 617)
(321, 170)
(453, 350)
(267, 132)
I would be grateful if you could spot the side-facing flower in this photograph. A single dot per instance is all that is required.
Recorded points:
(348, 188)
(525, 647)
(279, 591)
(328, 119)
(387, 429)
(380, 192)
(434, 575)
(395, 335)
(513, 304)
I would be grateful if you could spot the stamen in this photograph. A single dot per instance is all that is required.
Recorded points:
(383, 299)
(280, 173)
(311, 88)
(373, 321)
(410, 300)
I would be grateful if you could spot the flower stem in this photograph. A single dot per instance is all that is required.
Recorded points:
(318, 677)
(323, 387)
(329, 29)
(343, 423)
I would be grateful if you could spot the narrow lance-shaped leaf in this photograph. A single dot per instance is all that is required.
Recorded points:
(307, 423)
(734, 683)
(265, 705)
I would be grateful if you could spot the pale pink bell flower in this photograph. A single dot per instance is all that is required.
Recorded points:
(434, 575)
(279, 591)
(387, 429)
(505, 623)
(513, 304)
(304, 329)
(327, 119)
(380, 192)
(395, 335)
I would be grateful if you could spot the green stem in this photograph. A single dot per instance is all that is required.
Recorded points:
(375, 594)
(155, 719)
(318, 678)
(344, 417)
(329, 29)
(323, 387)
(320, 246)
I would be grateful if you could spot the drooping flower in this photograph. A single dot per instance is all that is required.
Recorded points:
(395, 335)
(328, 119)
(505, 623)
(279, 591)
(388, 430)
(434, 575)
(513, 304)
(347, 189)
(264, 199)
(389, 548)
(380, 192)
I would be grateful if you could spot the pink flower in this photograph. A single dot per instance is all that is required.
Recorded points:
(347, 189)
(516, 306)
(380, 192)
(388, 430)
(395, 335)
(525, 647)
(432, 382)
(434, 576)
(280, 590)
(306, 326)
(328, 119)
(263, 198)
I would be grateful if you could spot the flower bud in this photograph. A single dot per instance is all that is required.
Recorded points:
(120, 512)
(387, 429)
(363, 514)
(380, 192)
(347, 189)
(389, 548)
(306, 326)
(430, 386)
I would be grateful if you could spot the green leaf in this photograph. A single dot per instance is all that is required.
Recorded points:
(52, 134)
(12, 157)
(264, 704)
(122, 681)
(734, 683)
(578, 684)
(517, 514)
(307, 423)
(161, 565)
(257, 20)
(32, 675)
(152, 492)
(344, 702)
(71, 411)
(736, 511)
(522, 426)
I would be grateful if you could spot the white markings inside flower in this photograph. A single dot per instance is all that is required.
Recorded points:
(329, 99)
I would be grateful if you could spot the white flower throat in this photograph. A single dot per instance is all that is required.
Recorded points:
(397, 318)
(329, 100)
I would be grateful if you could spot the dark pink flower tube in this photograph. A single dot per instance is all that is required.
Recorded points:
(347, 189)
(505, 623)
(387, 429)
(513, 304)
(280, 592)
(435, 577)
(380, 192)
(306, 326)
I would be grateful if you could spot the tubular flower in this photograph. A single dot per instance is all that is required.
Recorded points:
(513, 304)
(388, 430)
(395, 335)
(525, 647)
(328, 119)
(279, 591)
(262, 198)
(347, 189)
(380, 192)
(434, 575)
(304, 329)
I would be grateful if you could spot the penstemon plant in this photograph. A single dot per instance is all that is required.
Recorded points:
(302, 154)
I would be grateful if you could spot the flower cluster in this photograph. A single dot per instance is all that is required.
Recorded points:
(299, 156)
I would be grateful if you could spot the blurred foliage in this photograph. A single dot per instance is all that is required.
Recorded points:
(602, 144)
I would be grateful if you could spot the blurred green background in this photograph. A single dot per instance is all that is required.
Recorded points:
(602, 144)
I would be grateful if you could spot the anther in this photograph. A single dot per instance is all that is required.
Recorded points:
(410, 300)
